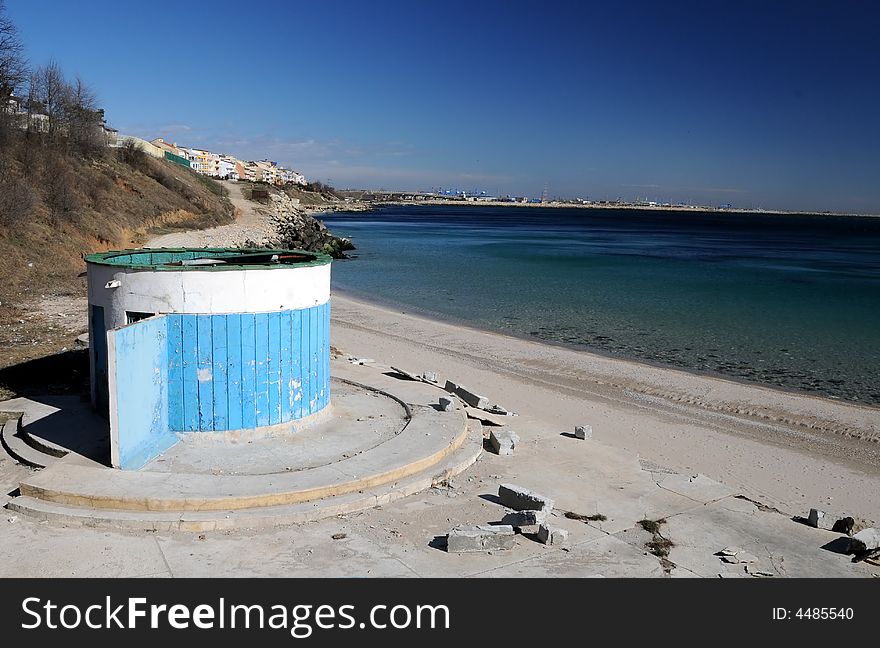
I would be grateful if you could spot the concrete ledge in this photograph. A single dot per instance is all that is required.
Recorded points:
(428, 438)
(257, 518)
(14, 442)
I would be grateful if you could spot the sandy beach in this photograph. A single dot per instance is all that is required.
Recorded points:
(787, 450)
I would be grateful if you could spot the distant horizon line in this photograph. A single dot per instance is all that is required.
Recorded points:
(581, 203)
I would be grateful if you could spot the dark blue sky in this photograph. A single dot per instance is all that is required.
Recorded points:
(771, 104)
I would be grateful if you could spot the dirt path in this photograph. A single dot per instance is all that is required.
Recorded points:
(251, 222)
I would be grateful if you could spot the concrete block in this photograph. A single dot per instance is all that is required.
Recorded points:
(552, 535)
(865, 540)
(429, 376)
(447, 404)
(472, 399)
(522, 499)
(503, 442)
(583, 431)
(473, 539)
(844, 525)
(527, 518)
(498, 409)
(820, 520)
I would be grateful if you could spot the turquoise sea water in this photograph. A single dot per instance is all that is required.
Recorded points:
(790, 301)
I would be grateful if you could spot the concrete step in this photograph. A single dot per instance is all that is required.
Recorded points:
(429, 438)
(256, 518)
(42, 445)
(13, 441)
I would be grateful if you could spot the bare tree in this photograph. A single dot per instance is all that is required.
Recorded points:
(83, 117)
(13, 67)
(13, 72)
(51, 92)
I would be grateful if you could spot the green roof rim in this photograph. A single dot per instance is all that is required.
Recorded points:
(103, 258)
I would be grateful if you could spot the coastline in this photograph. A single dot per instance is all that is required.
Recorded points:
(787, 449)
(687, 209)
(444, 318)
(790, 450)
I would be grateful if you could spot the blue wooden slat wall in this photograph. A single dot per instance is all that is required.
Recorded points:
(233, 371)
(241, 371)
(206, 366)
(175, 372)
(248, 372)
(219, 378)
(189, 353)
(285, 359)
(274, 368)
(306, 369)
(296, 373)
(140, 366)
(261, 334)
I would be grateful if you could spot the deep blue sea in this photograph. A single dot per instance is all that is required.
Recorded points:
(783, 300)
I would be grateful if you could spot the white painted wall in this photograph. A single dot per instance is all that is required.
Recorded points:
(200, 291)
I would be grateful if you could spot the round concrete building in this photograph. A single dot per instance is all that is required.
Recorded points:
(206, 340)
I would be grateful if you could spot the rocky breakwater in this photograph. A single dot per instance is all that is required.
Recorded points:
(296, 229)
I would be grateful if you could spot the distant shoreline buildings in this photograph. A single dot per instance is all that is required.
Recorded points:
(221, 165)
(32, 116)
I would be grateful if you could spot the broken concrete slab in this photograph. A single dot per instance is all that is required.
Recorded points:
(446, 404)
(583, 432)
(469, 397)
(786, 549)
(603, 556)
(527, 518)
(522, 499)
(471, 539)
(406, 374)
(865, 540)
(429, 377)
(485, 417)
(551, 535)
(820, 520)
(503, 442)
(697, 487)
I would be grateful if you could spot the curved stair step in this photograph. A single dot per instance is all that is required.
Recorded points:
(17, 447)
(429, 438)
(254, 518)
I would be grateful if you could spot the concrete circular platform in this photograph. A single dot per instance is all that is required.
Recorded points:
(376, 446)
(360, 420)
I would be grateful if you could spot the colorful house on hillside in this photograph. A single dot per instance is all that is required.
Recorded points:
(166, 147)
(267, 170)
(241, 170)
(226, 168)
